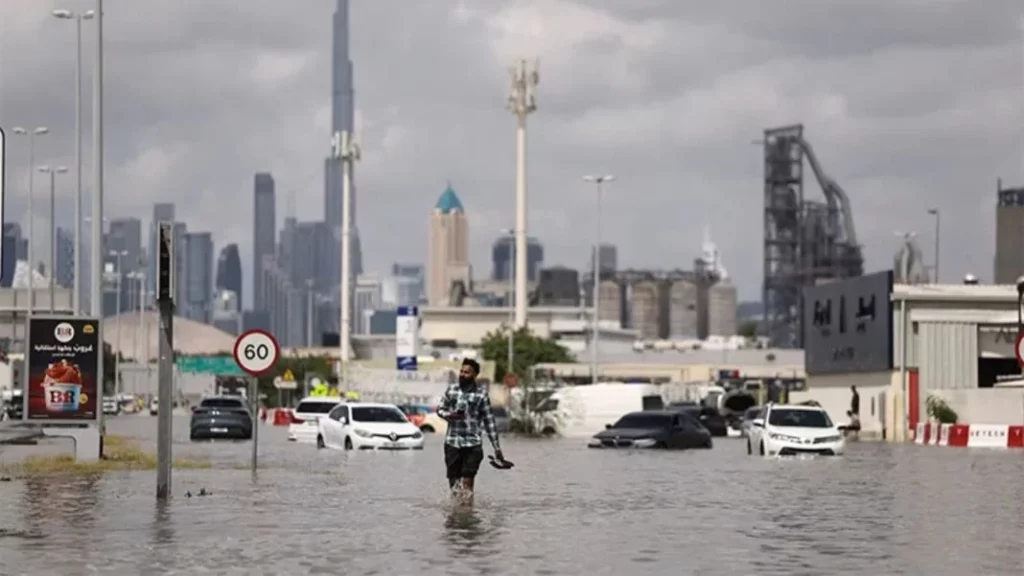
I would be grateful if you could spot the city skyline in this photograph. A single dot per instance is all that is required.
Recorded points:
(676, 137)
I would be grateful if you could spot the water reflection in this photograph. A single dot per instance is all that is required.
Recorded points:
(463, 529)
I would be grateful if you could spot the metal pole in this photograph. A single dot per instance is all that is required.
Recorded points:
(117, 322)
(76, 304)
(511, 314)
(347, 151)
(937, 258)
(309, 313)
(31, 223)
(255, 403)
(53, 237)
(166, 401)
(97, 195)
(521, 102)
(596, 298)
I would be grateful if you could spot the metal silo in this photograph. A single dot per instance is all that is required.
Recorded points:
(722, 299)
(610, 303)
(643, 306)
(682, 310)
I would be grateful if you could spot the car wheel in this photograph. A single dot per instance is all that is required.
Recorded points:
(762, 448)
(750, 449)
(320, 442)
(549, 432)
(427, 429)
(708, 444)
(348, 443)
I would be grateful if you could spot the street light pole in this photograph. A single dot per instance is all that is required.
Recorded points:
(31, 133)
(344, 148)
(96, 294)
(598, 181)
(117, 320)
(309, 313)
(52, 268)
(935, 212)
(76, 295)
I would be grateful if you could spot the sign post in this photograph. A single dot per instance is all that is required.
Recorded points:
(407, 337)
(256, 353)
(285, 382)
(165, 369)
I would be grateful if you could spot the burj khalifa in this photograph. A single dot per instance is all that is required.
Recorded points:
(342, 119)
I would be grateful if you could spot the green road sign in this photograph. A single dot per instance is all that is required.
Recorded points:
(216, 365)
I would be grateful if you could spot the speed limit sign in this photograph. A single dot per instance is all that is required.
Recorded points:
(256, 352)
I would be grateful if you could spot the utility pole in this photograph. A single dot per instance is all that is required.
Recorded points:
(165, 282)
(598, 181)
(344, 148)
(521, 102)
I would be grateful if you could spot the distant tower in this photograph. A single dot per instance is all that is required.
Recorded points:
(448, 250)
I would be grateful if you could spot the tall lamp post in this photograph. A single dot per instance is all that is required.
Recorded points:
(52, 268)
(522, 102)
(77, 17)
(344, 148)
(31, 133)
(511, 234)
(117, 255)
(598, 182)
(935, 212)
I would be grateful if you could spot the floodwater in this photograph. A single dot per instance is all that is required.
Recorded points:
(563, 509)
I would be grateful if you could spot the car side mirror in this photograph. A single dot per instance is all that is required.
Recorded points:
(759, 422)
(607, 426)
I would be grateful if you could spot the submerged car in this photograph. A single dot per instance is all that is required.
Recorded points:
(749, 416)
(709, 417)
(368, 427)
(666, 429)
(221, 417)
(305, 418)
(789, 430)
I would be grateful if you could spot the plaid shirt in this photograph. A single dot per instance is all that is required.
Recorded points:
(475, 403)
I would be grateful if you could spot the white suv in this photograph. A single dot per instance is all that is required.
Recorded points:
(788, 430)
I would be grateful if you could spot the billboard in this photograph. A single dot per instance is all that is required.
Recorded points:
(407, 337)
(61, 370)
(848, 325)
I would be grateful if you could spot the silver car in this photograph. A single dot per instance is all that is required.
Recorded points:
(749, 416)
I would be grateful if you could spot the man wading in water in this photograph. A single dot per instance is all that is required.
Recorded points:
(467, 408)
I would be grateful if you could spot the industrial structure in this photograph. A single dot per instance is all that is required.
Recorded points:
(806, 242)
(1009, 261)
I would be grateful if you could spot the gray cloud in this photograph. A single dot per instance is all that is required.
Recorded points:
(910, 105)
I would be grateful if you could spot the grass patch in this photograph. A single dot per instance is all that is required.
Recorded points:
(120, 453)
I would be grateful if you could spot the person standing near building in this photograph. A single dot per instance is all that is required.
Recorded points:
(855, 402)
(466, 406)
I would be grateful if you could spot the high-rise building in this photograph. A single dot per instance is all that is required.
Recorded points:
(448, 248)
(229, 272)
(64, 268)
(198, 300)
(366, 298)
(15, 247)
(408, 284)
(608, 255)
(342, 119)
(263, 229)
(125, 235)
(503, 264)
(226, 314)
(1009, 260)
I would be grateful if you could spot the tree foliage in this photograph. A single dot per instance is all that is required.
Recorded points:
(528, 351)
(749, 329)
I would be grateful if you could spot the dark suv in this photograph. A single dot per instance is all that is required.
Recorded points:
(219, 417)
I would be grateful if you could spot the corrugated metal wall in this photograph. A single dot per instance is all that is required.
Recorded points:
(897, 353)
(948, 355)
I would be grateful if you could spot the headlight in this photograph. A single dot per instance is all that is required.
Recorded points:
(363, 433)
(783, 438)
(827, 439)
(644, 442)
(417, 436)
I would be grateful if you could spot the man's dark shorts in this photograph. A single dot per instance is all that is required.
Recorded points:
(463, 462)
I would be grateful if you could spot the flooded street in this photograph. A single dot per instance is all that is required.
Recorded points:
(564, 509)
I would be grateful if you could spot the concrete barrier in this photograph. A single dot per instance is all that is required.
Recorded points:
(970, 435)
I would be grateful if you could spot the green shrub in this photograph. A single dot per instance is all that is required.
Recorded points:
(939, 410)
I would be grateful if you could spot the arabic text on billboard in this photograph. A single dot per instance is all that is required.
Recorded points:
(62, 367)
(848, 325)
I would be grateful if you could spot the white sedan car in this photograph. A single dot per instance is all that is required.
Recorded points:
(306, 416)
(368, 427)
(789, 430)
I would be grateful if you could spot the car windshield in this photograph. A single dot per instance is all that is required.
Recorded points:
(799, 418)
(753, 413)
(314, 407)
(641, 420)
(222, 403)
(377, 414)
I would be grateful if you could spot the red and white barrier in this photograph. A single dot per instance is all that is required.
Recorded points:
(276, 416)
(970, 435)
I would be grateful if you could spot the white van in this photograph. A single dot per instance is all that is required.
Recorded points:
(582, 411)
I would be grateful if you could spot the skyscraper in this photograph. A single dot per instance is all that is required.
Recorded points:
(64, 267)
(125, 235)
(263, 239)
(199, 277)
(229, 272)
(503, 264)
(342, 119)
(448, 256)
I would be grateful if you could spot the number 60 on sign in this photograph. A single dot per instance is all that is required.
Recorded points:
(256, 352)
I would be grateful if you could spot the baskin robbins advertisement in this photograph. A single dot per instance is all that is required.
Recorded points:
(62, 362)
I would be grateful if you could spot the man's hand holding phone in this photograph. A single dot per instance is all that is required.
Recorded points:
(456, 415)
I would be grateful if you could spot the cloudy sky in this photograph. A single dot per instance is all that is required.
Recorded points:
(910, 104)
